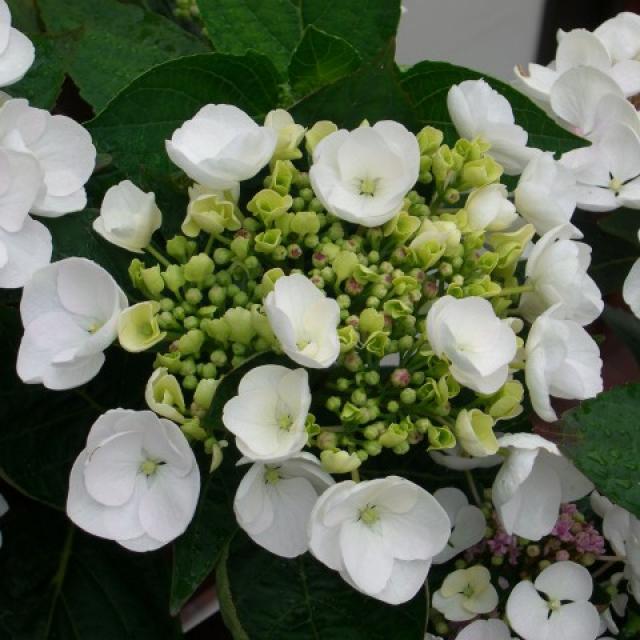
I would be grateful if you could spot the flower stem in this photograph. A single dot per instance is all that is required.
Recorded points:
(157, 255)
(473, 488)
(355, 475)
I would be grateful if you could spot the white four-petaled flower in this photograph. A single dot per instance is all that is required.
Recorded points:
(478, 344)
(305, 321)
(564, 611)
(128, 217)
(381, 535)
(268, 415)
(221, 146)
(136, 482)
(273, 502)
(465, 593)
(362, 176)
(533, 482)
(70, 313)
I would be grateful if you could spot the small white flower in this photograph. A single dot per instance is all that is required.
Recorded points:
(485, 630)
(290, 134)
(489, 208)
(23, 252)
(273, 502)
(557, 270)
(128, 217)
(467, 521)
(136, 482)
(305, 321)
(608, 172)
(381, 535)
(16, 50)
(466, 593)
(163, 395)
(564, 611)
(563, 361)
(477, 110)
(546, 193)
(20, 184)
(478, 344)
(63, 149)
(70, 313)
(362, 176)
(268, 414)
(221, 146)
(631, 287)
(533, 482)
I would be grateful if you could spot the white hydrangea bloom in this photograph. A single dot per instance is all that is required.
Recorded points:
(478, 344)
(16, 50)
(362, 176)
(268, 415)
(128, 217)
(305, 321)
(564, 611)
(381, 535)
(136, 482)
(273, 502)
(70, 312)
(221, 146)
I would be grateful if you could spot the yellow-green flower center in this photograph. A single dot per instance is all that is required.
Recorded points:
(369, 515)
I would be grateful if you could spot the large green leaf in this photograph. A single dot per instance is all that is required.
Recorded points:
(56, 583)
(198, 550)
(320, 59)
(626, 326)
(116, 42)
(623, 223)
(602, 437)
(135, 125)
(265, 597)
(369, 25)
(42, 431)
(426, 86)
(270, 27)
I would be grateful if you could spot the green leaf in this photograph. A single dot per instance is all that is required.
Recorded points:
(42, 431)
(427, 83)
(43, 82)
(626, 326)
(135, 125)
(24, 16)
(116, 42)
(198, 550)
(601, 437)
(622, 223)
(320, 59)
(270, 27)
(369, 25)
(56, 583)
(265, 597)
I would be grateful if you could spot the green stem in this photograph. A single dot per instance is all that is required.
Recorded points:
(151, 250)
(473, 488)
(58, 579)
(209, 244)
(89, 400)
(355, 475)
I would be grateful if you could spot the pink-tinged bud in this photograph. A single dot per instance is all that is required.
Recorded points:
(319, 259)
(400, 378)
(562, 555)
(353, 287)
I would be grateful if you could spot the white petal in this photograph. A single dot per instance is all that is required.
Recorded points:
(485, 630)
(528, 613)
(574, 621)
(23, 253)
(21, 181)
(565, 581)
(16, 58)
(631, 289)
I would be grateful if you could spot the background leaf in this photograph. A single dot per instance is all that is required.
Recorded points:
(601, 437)
(116, 42)
(265, 597)
(320, 59)
(270, 27)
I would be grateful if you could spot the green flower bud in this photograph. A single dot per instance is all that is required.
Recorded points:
(305, 222)
(136, 266)
(336, 461)
(179, 248)
(138, 328)
(348, 338)
(269, 205)
(344, 264)
(402, 448)
(393, 436)
(320, 130)
(170, 361)
(240, 247)
(289, 133)
(397, 308)
(479, 173)
(508, 401)
(211, 213)
(371, 321)
(474, 432)
(204, 393)
(377, 343)
(267, 241)
(261, 324)
(198, 268)
(152, 280)
(408, 396)
(440, 438)
(352, 414)
(269, 279)
(327, 440)
(240, 325)
(372, 447)
(402, 227)
(442, 164)
(429, 140)
(282, 177)
(190, 342)
(188, 368)
(193, 430)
